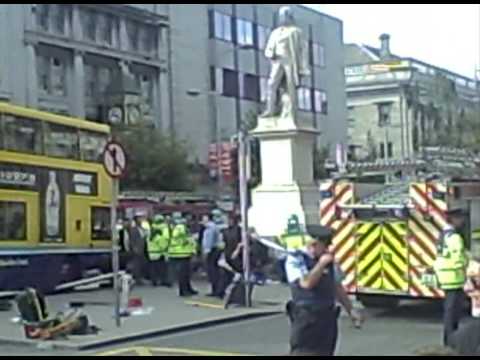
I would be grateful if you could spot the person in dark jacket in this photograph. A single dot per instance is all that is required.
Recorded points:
(232, 237)
(137, 249)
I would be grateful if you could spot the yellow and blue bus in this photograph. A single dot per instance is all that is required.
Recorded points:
(55, 198)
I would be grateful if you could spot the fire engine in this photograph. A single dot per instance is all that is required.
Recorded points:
(385, 235)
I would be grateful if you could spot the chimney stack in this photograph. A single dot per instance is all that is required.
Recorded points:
(384, 46)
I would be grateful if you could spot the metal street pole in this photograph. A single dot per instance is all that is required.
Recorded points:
(242, 179)
(115, 250)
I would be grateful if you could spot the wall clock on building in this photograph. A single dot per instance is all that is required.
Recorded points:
(115, 115)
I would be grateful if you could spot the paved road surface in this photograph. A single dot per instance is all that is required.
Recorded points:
(397, 332)
(394, 332)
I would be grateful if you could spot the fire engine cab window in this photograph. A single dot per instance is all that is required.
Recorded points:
(100, 223)
(13, 221)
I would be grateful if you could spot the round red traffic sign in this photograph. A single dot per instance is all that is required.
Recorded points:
(114, 159)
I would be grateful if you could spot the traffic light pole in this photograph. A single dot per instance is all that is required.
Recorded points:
(243, 189)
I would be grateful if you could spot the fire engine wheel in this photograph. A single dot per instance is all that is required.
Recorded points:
(376, 301)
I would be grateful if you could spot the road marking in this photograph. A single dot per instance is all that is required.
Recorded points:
(202, 304)
(196, 352)
(143, 351)
(149, 351)
(116, 352)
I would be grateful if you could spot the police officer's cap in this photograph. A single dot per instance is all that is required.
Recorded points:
(320, 233)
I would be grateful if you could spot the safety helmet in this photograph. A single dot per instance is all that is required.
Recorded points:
(293, 225)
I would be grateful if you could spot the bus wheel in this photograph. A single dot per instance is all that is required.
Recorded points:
(382, 302)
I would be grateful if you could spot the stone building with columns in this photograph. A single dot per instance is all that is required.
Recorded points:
(398, 104)
(83, 59)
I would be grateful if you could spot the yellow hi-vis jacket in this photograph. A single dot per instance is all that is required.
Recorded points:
(159, 241)
(294, 241)
(182, 244)
(451, 262)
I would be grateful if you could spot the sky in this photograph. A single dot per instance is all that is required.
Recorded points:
(444, 35)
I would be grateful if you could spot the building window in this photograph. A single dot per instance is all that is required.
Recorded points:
(230, 83)
(320, 102)
(89, 25)
(382, 151)
(147, 39)
(244, 32)
(133, 35)
(51, 72)
(216, 80)
(90, 78)
(263, 89)
(43, 16)
(390, 150)
(59, 87)
(304, 99)
(222, 26)
(13, 221)
(262, 36)
(43, 73)
(97, 79)
(105, 26)
(104, 75)
(58, 17)
(249, 87)
(318, 55)
(145, 84)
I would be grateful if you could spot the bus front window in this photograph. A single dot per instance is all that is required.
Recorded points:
(92, 145)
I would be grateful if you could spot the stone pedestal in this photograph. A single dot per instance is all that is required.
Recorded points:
(287, 184)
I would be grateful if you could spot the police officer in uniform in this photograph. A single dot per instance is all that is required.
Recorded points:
(315, 283)
(180, 251)
(158, 251)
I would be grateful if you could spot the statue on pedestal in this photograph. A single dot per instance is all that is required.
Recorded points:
(288, 54)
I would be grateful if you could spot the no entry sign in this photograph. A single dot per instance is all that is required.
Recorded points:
(114, 159)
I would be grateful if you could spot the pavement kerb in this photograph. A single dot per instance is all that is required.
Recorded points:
(140, 335)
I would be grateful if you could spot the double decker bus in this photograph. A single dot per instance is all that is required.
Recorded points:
(55, 199)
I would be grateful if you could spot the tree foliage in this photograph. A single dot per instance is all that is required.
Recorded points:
(441, 117)
(155, 162)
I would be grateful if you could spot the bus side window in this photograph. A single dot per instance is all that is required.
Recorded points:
(21, 134)
(100, 226)
(91, 146)
(61, 141)
(13, 221)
